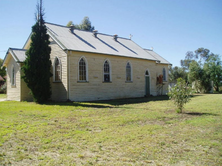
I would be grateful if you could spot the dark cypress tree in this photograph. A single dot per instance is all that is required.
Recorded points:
(37, 65)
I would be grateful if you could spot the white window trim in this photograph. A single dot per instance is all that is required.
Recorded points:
(131, 71)
(86, 70)
(13, 81)
(55, 71)
(110, 71)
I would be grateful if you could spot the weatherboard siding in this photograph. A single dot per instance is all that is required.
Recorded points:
(25, 91)
(59, 89)
(159, 70)
(13, 91)
(96, 89)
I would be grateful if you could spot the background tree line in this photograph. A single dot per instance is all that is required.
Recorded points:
(200, 68)
(2, 69)
(84, 25)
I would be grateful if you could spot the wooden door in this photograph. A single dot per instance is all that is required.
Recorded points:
(147, 85)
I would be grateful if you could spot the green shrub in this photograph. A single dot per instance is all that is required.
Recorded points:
(180, 94)
(3, 88)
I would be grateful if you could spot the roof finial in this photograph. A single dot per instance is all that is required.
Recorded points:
(131, 36)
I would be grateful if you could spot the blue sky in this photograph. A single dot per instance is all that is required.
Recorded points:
(171, 27)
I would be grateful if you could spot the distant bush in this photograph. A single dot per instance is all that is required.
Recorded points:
(220, 89)
(3, 88)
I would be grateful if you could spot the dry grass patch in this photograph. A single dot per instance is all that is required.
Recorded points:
(144, 131)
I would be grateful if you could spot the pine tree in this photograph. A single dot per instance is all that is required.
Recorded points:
(37, 65)
(2, 70)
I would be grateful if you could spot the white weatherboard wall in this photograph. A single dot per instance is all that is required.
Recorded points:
(25, 91)
(96, 89)
(59, 89)
(13, 91)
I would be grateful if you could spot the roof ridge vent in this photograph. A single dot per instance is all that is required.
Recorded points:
(72, 27)
(115, 37)
(95, 32)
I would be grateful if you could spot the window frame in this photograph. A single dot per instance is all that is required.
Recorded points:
(86, 69)
(130, 72)
(110, 72)
(57, 59)
(147, 73)
(13, 76)
(164, 75)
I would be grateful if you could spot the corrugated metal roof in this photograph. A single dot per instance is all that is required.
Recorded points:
(18, 54)
(103, 44)
(157, 56)
(85, 41)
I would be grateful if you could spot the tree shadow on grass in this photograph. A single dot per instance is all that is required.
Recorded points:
(196, 95)
(79, 104)
(199, 114)
(117, 102)
(110, 103)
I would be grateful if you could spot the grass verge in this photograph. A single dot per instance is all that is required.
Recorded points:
(144, 131)
(2, 96)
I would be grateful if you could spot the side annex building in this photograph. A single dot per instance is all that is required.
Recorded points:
(89, 66)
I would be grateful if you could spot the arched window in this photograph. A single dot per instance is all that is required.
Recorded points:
(82, 70)
(57, 70)
(147, 73)
(128, 72)
(13, 75)
(106, 71)
(147, 83)
(164, 74)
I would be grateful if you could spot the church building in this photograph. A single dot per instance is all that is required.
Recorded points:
(89, 66)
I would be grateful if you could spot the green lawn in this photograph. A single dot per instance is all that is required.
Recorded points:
(2, 96)
(145, 131)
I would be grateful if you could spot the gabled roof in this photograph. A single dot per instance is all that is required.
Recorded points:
(85, 41)
(157, 56)
(18, 55)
